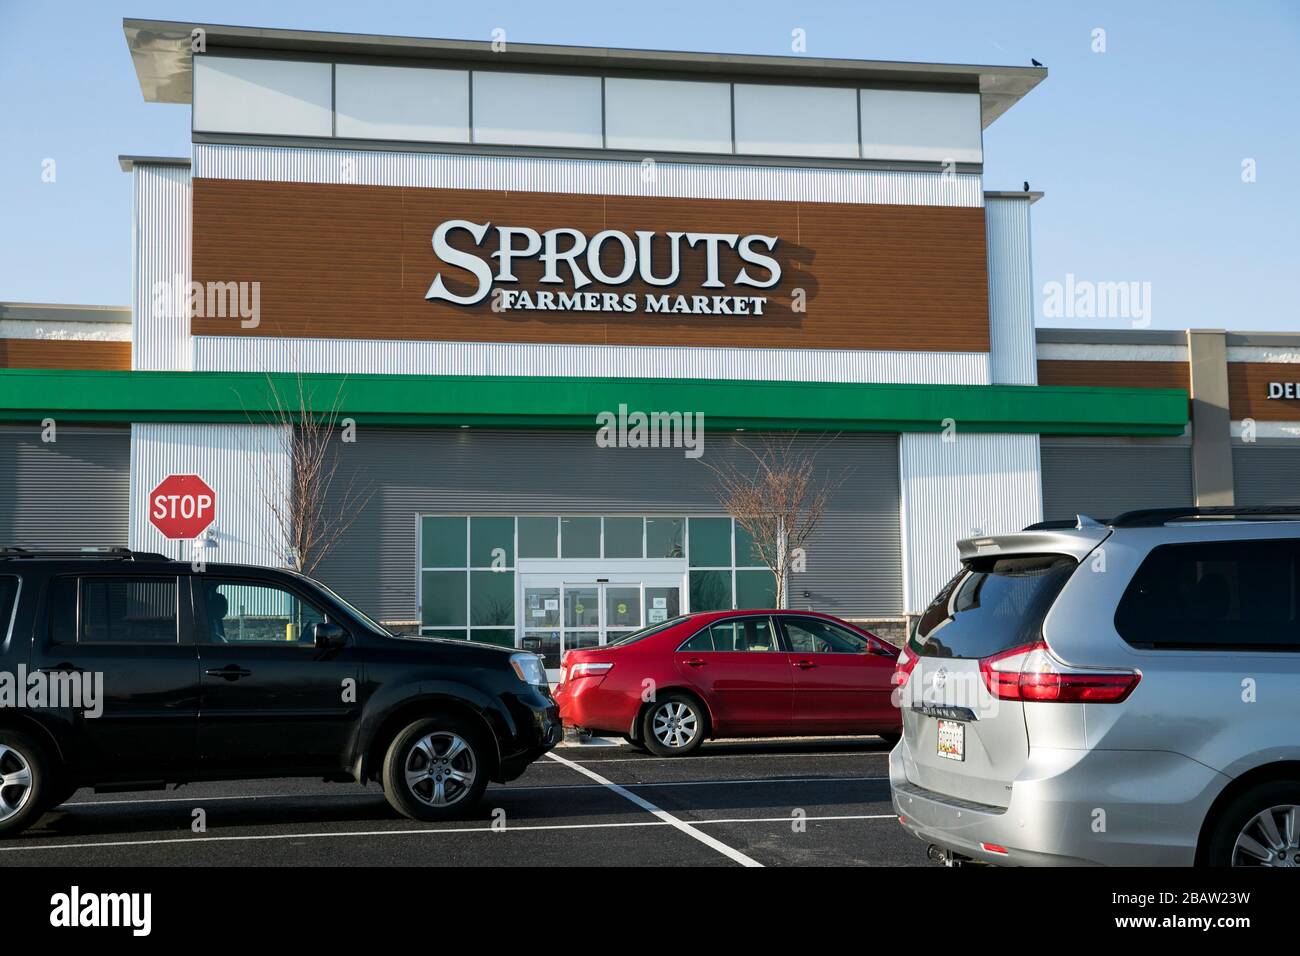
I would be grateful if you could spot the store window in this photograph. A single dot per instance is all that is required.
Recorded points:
(469, 587)
(467, 578)
(726, 571)
(665, 537)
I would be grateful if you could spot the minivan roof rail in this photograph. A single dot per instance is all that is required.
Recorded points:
(1154, 517)
(114, 553)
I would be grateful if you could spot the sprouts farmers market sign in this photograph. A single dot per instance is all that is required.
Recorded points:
(390, 263)
(571, 261)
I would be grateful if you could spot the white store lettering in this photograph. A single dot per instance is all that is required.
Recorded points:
(569, 257)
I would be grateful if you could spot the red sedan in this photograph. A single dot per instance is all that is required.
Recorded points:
(732, 674)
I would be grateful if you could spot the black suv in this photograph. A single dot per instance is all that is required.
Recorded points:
(128, 671)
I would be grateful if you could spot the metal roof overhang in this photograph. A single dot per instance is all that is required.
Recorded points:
(160, 50)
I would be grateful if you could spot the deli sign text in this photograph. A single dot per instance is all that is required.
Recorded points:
(572, 261)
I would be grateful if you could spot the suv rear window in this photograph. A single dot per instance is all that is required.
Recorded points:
(1238, 595)
(994, 605)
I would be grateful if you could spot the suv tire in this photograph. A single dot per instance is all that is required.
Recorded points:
(1250, 818)
(25, 779)
(674, 725)
(435, 769)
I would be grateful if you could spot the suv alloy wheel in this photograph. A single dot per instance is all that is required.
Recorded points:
(434, 769)
(23, 780)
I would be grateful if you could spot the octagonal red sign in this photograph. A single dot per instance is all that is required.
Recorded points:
(182, 506)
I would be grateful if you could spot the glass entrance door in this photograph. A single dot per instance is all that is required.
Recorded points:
(570, 615)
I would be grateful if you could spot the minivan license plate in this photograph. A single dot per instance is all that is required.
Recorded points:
(952, 740)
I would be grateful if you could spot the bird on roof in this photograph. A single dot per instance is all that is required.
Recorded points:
(1034, 62)
(1026, 185)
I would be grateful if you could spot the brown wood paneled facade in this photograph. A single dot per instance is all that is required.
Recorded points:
(354, 261)
(64, 354)
(1117, 374)
(1248, 390)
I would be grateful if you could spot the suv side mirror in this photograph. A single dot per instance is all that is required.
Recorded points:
(329, 636)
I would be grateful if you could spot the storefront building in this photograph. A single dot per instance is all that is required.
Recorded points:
(477, 257)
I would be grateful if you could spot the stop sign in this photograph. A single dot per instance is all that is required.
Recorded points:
(182, 506)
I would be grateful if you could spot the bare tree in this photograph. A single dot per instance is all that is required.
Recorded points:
(309, 516)
(777, 494)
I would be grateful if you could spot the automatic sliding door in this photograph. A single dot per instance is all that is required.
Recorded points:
(542, 623)
(622, 610)
(581, 616)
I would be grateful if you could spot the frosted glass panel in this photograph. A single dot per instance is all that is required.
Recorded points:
(675, 115)
(395, 102)
(533, 109)
(796, 121)
(289, 98)
(916, 125)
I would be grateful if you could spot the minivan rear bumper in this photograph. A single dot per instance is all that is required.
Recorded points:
(1071, 808)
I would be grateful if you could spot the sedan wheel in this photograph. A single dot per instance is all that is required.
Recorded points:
(1270, 838)
(674, 726)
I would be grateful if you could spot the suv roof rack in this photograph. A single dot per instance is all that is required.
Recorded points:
(1154, 517)
(113, 554)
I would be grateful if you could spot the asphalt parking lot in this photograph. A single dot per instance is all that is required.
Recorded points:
(818, 802)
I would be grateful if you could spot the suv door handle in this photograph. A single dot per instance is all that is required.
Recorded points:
(804, 665)
(229, 672)
(694, 662)
(64, 668)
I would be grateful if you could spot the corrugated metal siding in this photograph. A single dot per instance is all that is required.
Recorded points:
(1104, 477)
(353, 356)
(591, 176)
(1011, 293)
(853, 565)
(241, 463)
(1265, 474)
(70, 493)
(978, 484)
(160, 244)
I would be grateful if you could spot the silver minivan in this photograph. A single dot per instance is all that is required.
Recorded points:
(1118, 693)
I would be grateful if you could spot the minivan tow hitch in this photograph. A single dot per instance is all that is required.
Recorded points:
(938, 854)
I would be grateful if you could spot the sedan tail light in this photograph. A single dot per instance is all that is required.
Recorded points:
(586, 669)
(1031, 673)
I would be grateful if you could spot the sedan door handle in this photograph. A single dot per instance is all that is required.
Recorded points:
(229, 672)
(804, 665)
(694, 662)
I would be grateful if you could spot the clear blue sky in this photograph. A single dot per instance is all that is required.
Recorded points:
(1139, 149)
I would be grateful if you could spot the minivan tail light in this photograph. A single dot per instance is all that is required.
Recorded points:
(585, 669)
(1031, 673)
(904, 667)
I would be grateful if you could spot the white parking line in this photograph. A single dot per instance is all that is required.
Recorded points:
(496, 788)
(699, 756)
(730, 852)
(449, 830)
